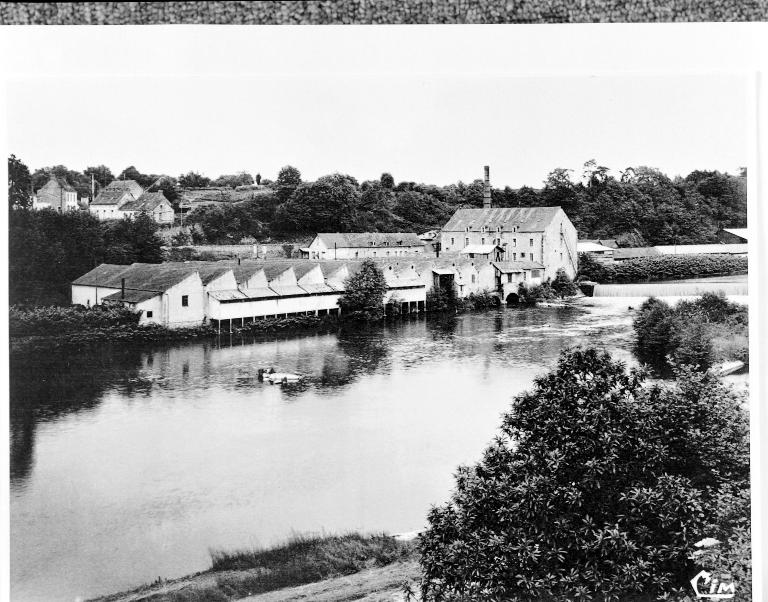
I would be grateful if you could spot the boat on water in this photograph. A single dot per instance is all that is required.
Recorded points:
(281, 377)
(727, 368)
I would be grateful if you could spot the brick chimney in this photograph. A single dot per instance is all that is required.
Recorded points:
(487, 189)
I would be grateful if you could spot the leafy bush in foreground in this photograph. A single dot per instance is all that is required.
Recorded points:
(661, 267)
(364, 293)
(596, 488)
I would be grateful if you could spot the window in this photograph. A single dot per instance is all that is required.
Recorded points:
(356, 254)
(452, 241)
(514, 242)
(482, 240)
(466, 241)
(522, 255)
(561, 256)
(185, 300)
(535, 273)
(509, 277)
(149, 314)
(530, 242)
(514, 256)
(473, 278)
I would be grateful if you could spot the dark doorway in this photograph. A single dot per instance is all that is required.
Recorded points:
(513, 299)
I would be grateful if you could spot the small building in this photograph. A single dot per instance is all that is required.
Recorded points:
(511, 274)
(595, 250)
(361, 245)
(109, 202)
(732, 235)
(153, 204)
(56, 194)
(487, 252)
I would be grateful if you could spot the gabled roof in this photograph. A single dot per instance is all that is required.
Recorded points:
(142, 276)
(148, 201)
(302, 269)
(273, 270)
(370, 239)
(506, 267)
(116, 191)
(56, 182)
(525, 219)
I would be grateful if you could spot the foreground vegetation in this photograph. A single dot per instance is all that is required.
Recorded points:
(301, 560)
(698, 333)
(596, 488)
(661, 267)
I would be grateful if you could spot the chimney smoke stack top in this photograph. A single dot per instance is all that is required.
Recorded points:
(487, 188)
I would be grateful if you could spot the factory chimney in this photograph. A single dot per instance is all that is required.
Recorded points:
(487, 189)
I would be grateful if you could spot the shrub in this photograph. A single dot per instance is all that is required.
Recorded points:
(55, 320)
(595, 488)
(562, 285)
(661, 267)
(442, 299)
(364, 293)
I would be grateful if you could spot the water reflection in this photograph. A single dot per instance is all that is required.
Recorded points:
(129, 462)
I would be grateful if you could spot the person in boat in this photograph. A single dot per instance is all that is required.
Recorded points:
(271, 371)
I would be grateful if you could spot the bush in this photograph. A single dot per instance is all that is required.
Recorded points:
(595, 488)
(442, 299)
(563, 286)
(53, 320)
(661, 267)
(364, 293)
(698, 332)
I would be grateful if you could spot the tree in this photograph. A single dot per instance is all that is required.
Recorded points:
(19, 184)
(193, 179)
(288, 180)
(233, 181)
(364, 292)
(328, 205)
(562, 285)
(596, 487)
(131, 173)
(387, 181)
(258, 179)
(102, 176)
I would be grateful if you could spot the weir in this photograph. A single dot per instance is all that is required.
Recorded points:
(670, 289)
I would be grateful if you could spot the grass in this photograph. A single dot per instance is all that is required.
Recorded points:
(301, 560)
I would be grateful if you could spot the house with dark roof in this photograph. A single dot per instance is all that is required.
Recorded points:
(361, 245)
(153, 204)
(543, 235)
(56, 194)
(109, 202)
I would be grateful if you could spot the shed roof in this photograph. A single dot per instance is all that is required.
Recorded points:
(144, 276)
(592, 247)
(370, 239)
(132, 296)
(525, 219)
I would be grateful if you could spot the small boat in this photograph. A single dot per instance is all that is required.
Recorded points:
(727, 368)
(281, 377)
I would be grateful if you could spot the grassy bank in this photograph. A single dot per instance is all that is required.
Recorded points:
(299, 561)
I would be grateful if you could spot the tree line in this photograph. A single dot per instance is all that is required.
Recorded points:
(642, 206)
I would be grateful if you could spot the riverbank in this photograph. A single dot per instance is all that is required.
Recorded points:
(330, 568)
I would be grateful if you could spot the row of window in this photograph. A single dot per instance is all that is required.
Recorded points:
(495, 241)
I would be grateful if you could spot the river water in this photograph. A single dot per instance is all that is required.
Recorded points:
(131, 463)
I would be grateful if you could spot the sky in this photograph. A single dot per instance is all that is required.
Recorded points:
(431, 129)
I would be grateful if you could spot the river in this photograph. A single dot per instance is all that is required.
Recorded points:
(131, 463)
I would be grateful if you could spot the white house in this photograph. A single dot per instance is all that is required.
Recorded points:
(108, 203)
(153, 204)
(361, 245)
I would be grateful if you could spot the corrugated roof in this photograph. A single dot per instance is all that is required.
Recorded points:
(506, 267)
(318, 288)
(525, 219)
(288, 290)
(228, 295)
(370, 239)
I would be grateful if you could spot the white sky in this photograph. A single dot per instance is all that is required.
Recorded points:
(427, 129)
(427, 104)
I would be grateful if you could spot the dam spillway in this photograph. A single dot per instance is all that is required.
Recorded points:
(680, 288)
